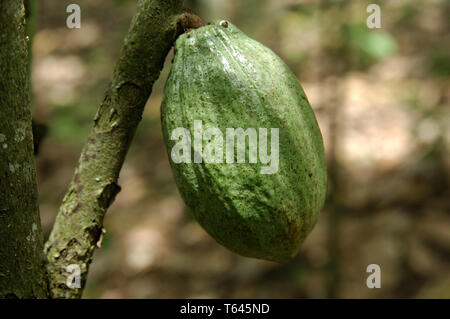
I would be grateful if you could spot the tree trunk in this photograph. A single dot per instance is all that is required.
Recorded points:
(78, 226)
(22, 271)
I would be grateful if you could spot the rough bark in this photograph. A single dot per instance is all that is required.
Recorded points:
(22, 271)
(78, 226)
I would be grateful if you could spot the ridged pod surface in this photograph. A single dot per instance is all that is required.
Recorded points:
(225, 79)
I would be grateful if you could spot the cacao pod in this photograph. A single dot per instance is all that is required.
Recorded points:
(223, 82)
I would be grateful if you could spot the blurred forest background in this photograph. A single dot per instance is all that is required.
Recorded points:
(381, 97)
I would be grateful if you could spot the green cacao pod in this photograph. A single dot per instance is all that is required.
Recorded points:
(243, 142)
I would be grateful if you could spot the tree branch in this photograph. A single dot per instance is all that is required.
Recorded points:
(22, 271)
(78, 226)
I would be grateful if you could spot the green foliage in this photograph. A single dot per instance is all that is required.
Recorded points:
(370, 45)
